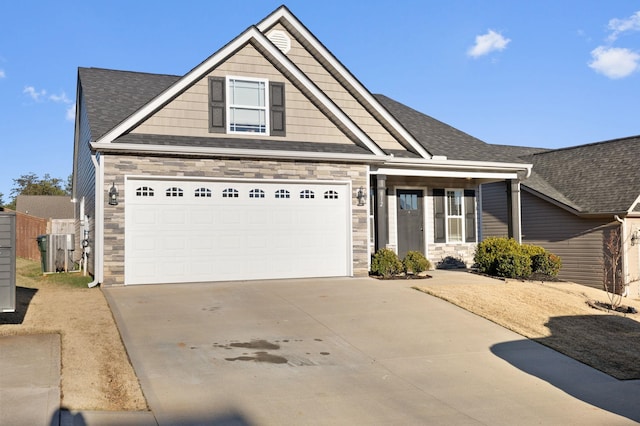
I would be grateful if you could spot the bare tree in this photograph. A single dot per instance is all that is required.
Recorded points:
(615, 281)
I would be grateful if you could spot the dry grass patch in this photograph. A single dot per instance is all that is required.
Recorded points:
(555, 314)
(96, 372)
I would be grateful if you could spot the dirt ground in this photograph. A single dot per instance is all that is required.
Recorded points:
(557, 315)
(96, 372)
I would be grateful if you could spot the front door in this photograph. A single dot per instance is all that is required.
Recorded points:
(410, 221)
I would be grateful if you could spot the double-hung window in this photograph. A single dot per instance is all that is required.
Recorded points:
(247, 105)
(454, 215)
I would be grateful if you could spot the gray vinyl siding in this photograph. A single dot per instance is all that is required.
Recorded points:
(494, 210)
(578, 241)
(85, 181)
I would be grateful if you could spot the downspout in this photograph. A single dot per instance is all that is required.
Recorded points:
(98, 226)
(625, 271)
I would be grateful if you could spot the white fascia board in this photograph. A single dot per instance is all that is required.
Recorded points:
(283, 12)
(460, 165)
(464, 174)
(231, 152)
(319, 94)
(633, 205)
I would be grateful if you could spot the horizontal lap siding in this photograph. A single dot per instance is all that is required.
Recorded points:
(494, 210)
(578, 241)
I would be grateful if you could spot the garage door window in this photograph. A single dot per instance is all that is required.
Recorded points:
(202, 192)
(256, 193)
(307, 193)
(174, 192)
(144, 191)
(282, 193)
(331, 195)
(230, 193)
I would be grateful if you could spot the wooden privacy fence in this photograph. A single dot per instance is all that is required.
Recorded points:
(27, 230)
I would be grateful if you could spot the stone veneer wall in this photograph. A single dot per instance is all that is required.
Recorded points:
(116, 167)
(462, 252)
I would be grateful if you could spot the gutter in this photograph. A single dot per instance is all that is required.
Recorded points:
(98, 225)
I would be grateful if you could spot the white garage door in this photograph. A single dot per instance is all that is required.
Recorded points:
(193, 231)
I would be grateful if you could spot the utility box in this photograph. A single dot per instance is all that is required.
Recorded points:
(55, 251)
(7, 261)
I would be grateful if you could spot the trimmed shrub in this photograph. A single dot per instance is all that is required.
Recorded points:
(490, 250)
(513, 265)
(415, 262)
(546, 263)
(385, 262)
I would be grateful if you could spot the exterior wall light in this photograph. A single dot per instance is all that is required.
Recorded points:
(634, 238)
(360, 195)
(113, 195)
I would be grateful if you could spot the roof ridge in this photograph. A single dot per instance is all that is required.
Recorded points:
(128, 71)
(586, 145)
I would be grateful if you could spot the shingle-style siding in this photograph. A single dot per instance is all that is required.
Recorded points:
(117, 167)
(578, 241)
(85, 182)
(187, 115)
(494, 210)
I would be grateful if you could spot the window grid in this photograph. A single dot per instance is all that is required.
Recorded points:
(202, 192)
(174, 192)
(307, 193)
(256, 193)
(247, 105)
(144, 191)
(230, 193)
(454, 215)
(331, 195)
(283, 193)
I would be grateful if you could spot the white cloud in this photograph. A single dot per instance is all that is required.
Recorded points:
(62, 97)
(619, 26)
(71, 112)
(487, 43)
(614, 62)
(2, 73)
(34, 94)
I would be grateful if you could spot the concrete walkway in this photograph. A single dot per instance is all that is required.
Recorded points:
(348, 351)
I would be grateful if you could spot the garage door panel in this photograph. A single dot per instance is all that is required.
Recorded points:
(207, 238)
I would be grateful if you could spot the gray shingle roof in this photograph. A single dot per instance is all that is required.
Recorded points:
(111, 96)
(598, 178)
(45, 206)
(439, 138)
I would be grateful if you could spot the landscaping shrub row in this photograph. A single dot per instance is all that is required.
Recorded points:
(505, 257)
(386, 263)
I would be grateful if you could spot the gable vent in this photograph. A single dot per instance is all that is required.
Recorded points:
(281, 40)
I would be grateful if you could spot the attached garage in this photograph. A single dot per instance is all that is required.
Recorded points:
(217, 230)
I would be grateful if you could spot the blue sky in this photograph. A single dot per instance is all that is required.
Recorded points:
(547, 73)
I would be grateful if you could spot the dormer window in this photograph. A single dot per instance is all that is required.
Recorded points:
(245, 105)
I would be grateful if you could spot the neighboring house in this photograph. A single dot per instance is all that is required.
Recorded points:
(573, 200)
(268, 160)
(46, 206)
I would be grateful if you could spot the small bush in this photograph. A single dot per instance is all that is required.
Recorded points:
(385, 262)
(415, 262)
(490, 250)
(546, 263)
(513, 265)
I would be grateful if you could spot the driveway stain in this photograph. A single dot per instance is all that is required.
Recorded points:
(256, 344)
(261, 357)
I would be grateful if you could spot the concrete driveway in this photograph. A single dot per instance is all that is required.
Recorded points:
(347, 351)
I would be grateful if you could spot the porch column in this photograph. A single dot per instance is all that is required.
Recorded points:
(513, 199)
(382, 213)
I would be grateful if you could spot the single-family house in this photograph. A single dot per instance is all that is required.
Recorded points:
(575, 201)
(269, 159)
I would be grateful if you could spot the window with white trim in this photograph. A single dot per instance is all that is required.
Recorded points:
(247, 101)
(202, 192)
(256, 193)
(144, 191)
(174, 192)
(282, 193)
(455, 215)
(230, 193)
